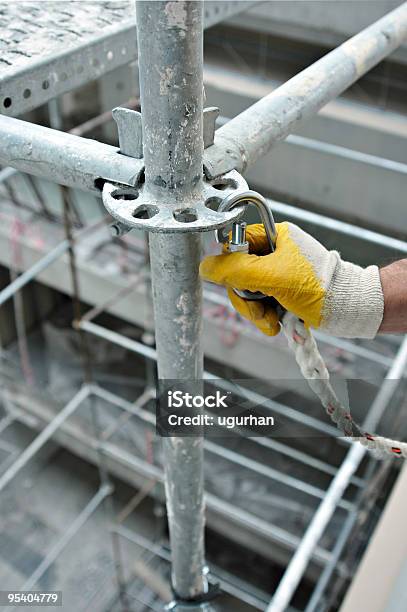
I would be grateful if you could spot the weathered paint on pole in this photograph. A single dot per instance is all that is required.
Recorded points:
(170, 43)
(250, 135)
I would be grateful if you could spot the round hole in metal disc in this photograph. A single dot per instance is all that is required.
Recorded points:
(213, 203)
(223, 184)
(124, 194)
(145, 212)
(185, 215)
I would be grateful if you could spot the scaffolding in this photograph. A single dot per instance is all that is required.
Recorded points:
(171, 182)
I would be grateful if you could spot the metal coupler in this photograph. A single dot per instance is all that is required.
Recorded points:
(237, 242)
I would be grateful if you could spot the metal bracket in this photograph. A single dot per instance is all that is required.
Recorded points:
(136, 208)
(130, 131)
(210, 115)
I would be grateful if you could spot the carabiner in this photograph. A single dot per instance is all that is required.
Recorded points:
(238, 241)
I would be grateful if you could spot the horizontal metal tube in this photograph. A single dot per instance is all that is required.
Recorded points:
(119, 339)
(338, 151)
(6, 422)
(79, 130)
(250, 135)
(269, 472)
(259, 526)
(339, 226)
(72, 530)
(297, 455)
(43, 263)
(32, 272)
(44, 436)
(6, 174)
(63, 158)
(345, 153)
(323, 515)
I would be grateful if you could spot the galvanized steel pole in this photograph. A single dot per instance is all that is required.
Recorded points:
(250, 135)
(170, 41)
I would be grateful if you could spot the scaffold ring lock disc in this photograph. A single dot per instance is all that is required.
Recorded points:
(135, 207)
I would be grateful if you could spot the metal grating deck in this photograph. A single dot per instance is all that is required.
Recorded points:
(48, 48)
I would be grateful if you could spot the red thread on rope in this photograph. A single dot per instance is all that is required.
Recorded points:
(297, 338)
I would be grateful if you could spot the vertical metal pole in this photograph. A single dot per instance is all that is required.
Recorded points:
(170, 38)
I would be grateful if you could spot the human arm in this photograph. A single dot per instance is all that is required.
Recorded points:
(394, 282)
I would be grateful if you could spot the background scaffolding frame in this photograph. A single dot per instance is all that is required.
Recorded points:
(73, 162)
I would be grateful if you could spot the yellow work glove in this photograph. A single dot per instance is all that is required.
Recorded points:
(338, 297)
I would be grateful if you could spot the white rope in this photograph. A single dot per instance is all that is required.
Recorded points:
(313, 368)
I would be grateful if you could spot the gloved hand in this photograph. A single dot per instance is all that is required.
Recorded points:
(335, 296)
